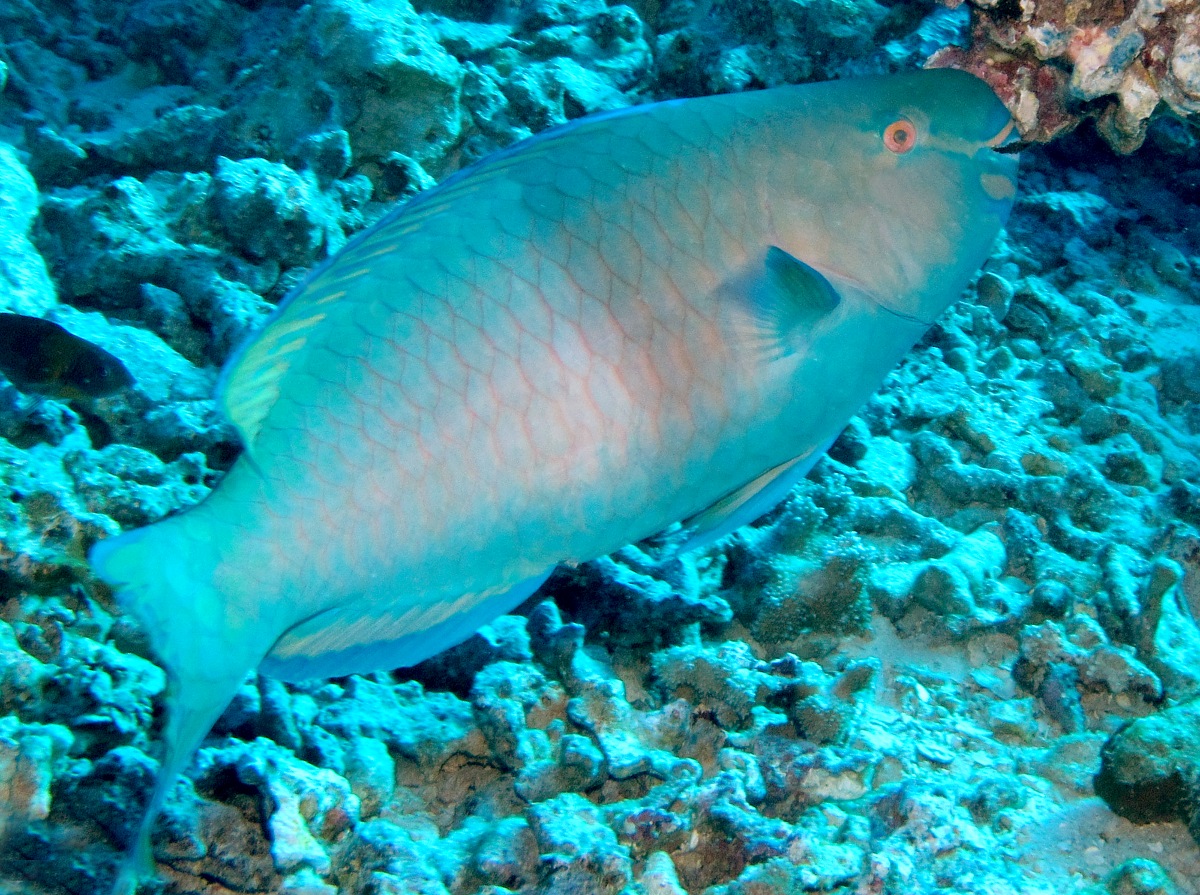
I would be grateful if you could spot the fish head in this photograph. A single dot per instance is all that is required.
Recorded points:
(42, 357)
(921, 185)
(91, 372)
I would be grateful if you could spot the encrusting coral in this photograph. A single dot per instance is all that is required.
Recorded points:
(1056, 63)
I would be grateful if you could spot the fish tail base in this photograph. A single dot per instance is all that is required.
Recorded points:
(163, 576)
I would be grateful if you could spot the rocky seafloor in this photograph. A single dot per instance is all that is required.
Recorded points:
(961, 657)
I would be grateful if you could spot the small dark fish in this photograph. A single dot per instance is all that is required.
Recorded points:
(41, 357)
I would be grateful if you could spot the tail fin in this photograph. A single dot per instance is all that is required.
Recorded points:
(163, 576)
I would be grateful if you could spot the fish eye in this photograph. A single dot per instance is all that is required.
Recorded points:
(900, 136)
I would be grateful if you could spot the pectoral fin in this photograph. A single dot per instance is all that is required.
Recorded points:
(787, 299)
(804, 294)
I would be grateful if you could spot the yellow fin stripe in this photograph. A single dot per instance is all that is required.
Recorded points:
(251, 383)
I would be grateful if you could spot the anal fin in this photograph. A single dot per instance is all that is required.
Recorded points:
(747, 503)
(347, 640)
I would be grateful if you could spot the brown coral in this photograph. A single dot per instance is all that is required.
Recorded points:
(1058, 62)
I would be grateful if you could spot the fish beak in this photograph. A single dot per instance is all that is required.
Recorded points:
(999, 175)
(1008, 141)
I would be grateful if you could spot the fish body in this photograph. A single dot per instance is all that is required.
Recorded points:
(43, 358)
(660, 314)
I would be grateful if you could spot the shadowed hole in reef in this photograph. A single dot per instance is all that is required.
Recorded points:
(1008, 9)
(226, 786)
(714, 862)
(902, 19)
(99, 431)
(57, 860)
(222, 455)
(234, 824)
(9, 588)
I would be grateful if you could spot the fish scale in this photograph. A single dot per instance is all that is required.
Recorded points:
(660, 314)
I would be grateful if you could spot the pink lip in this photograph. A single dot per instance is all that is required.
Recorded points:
(1003, 135)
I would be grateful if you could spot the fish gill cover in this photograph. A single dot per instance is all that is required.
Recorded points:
(916, 674)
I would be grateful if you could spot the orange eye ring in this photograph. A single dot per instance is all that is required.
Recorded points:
(900, 136)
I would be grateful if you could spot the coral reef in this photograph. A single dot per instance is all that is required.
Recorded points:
(933, 668)
(1058, 62)
(23, 277)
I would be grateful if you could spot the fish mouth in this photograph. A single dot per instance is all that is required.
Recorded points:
(1013, 147)
(1008, 141)
(998, 160)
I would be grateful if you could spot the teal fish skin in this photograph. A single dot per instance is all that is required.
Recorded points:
(565, 348)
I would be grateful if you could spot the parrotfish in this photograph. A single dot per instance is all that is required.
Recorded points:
(40, 357)
(660, 314)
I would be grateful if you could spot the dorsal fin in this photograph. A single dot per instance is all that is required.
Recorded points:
(250, 382)
(478, 175)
